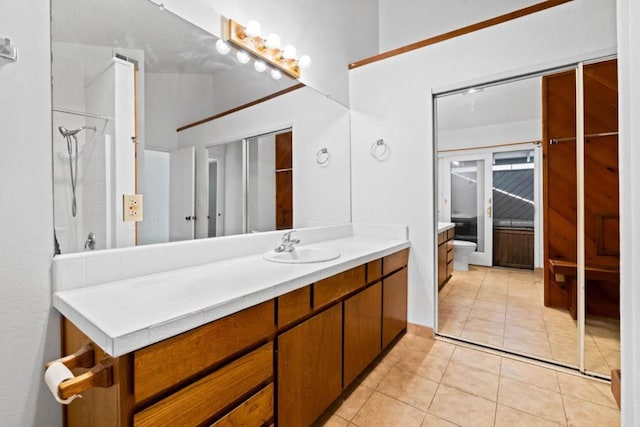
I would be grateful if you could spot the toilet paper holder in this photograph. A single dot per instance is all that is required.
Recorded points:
(98, 375)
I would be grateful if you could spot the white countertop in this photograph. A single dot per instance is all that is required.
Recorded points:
(444, 226)
(126, 315)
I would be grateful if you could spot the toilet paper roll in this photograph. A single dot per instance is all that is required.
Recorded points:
(54, 375)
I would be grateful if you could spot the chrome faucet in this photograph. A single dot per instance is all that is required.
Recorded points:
(288, 244)
(90, 243)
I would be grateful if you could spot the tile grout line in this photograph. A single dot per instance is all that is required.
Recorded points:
(495, 414)
(564, 408)
(440, 383)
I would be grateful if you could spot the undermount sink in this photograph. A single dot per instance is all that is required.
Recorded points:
(302, 256)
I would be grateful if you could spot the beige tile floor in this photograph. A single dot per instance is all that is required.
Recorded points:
(504, 308)
(426, 382)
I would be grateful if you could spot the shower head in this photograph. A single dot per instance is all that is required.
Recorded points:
(66, 132)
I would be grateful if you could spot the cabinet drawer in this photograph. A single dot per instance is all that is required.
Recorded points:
(294, 305)
(449, 252)
(335, 287)
(205, 398)
(449, 268)
(255, 411)
(374, 270)
(451, 233)
(442, 237)
(168, 363)
(395, 261)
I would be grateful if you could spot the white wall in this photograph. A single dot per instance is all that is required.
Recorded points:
(392, 99)
(333, 32)
(174, 100)
(320, 194)
(504, 133)
(155, 226)
(124, 161)
(29, 326)
(232, 213)
(408, 21)
(261, 192)
(629, 98)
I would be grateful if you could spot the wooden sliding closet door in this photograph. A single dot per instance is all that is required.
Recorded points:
(284, 181)
(559, 180)
(602, 212)
(602, 242)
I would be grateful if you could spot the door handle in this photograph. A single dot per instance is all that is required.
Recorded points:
(489, 211)
(189, 218)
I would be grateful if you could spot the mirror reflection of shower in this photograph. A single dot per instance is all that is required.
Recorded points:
(72, 149)
(94, 111)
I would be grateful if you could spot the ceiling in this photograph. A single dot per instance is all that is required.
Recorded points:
(510, 102)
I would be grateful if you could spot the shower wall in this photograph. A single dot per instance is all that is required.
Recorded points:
(89, 80)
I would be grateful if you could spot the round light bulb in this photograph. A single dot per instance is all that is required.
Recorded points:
(289, 52)
(272, 41)
(304, 61)
(259, 66)
(276, 74)
(222, 47)
(243, 57)
(253, 29)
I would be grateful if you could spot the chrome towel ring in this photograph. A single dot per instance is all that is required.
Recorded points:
(380, 150)
(323, 156)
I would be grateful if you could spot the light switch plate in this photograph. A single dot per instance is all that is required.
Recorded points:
(132, 207)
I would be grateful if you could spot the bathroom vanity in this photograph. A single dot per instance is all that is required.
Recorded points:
(446, 233)
(282, 358)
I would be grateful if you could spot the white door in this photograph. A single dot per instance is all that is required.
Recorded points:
(182, 181)
(470, 204)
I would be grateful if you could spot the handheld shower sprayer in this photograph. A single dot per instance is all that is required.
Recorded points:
(66, 132)
(73, 171)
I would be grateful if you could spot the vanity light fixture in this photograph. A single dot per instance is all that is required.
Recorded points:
(259, 65)
(222, 47)
(266, 50)
(276, 74)
(243, 57)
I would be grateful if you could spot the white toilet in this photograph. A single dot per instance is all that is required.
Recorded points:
(461, 251)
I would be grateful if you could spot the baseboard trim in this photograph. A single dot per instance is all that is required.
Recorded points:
(421, 331)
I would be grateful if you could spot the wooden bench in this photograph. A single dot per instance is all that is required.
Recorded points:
(565, 272)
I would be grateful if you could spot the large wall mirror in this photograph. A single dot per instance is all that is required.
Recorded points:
(126, 75)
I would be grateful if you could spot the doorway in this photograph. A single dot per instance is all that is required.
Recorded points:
(250, 184)
(496, 191)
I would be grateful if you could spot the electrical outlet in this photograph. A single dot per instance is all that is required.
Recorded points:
(132, 207)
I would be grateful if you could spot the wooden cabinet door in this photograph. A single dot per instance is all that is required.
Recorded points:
(394, 306)
(309, 368)
(362, 331)
(442, 263)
